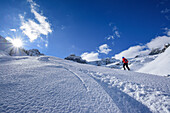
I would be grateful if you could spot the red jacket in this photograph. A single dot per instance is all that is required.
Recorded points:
(124, 60)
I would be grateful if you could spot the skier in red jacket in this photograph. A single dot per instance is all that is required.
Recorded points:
(125, 63)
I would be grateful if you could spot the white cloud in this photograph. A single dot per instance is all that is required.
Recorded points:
(167, 31)
(62, 27)
(104, 49)
(46, 45)
(165, 11)
(90, 56)
(167, 17)
(9, 39)
(158, 42)
(110, 24)
(114, 28)
(115, 32)
(38, 46)
(14, 30)
(132, 52)
(110, 37)
(33, 29)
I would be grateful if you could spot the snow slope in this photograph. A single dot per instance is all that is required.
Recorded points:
(134, 63)
(50, 84)
(3, 53)
(159, 66)
(152, 64)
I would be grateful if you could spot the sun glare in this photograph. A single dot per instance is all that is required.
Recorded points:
(17, 43)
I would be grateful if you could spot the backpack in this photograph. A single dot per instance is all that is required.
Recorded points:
(125, 60)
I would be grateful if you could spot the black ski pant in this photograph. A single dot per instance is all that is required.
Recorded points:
(126, 64)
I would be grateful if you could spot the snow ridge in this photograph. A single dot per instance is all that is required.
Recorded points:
(157, 101)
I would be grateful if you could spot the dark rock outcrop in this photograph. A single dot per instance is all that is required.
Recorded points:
(75, 58)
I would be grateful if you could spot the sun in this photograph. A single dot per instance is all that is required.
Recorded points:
(17, 42)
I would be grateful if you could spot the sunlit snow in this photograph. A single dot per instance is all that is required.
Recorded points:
(50, 84)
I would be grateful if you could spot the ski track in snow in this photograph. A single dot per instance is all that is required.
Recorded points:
(125, 103)
(46, 59)
(78, 77)
(156, 100)
(49, 84)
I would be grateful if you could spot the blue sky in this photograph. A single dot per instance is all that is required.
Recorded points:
(101, 27)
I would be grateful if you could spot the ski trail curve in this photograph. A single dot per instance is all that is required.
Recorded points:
(148, 96)
(124, 102)
(46, 59)
(79, 78)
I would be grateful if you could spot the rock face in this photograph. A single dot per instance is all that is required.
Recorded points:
(33, 52)
(7, 48)
(158, 50)
(75, 58)
(155, 51)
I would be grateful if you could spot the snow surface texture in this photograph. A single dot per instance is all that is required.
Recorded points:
(160, 66)
(50, 84)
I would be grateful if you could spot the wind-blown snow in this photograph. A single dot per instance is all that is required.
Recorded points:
(50, 84)
(159, 66)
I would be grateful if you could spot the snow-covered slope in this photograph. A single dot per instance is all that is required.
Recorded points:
(145, 61)
(3, 53)
(50, 84)
(159, 66)
(5, 45)
(134, 63)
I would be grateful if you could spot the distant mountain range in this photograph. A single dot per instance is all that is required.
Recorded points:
(140, 63)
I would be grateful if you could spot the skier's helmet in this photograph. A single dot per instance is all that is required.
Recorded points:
(123, 57)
